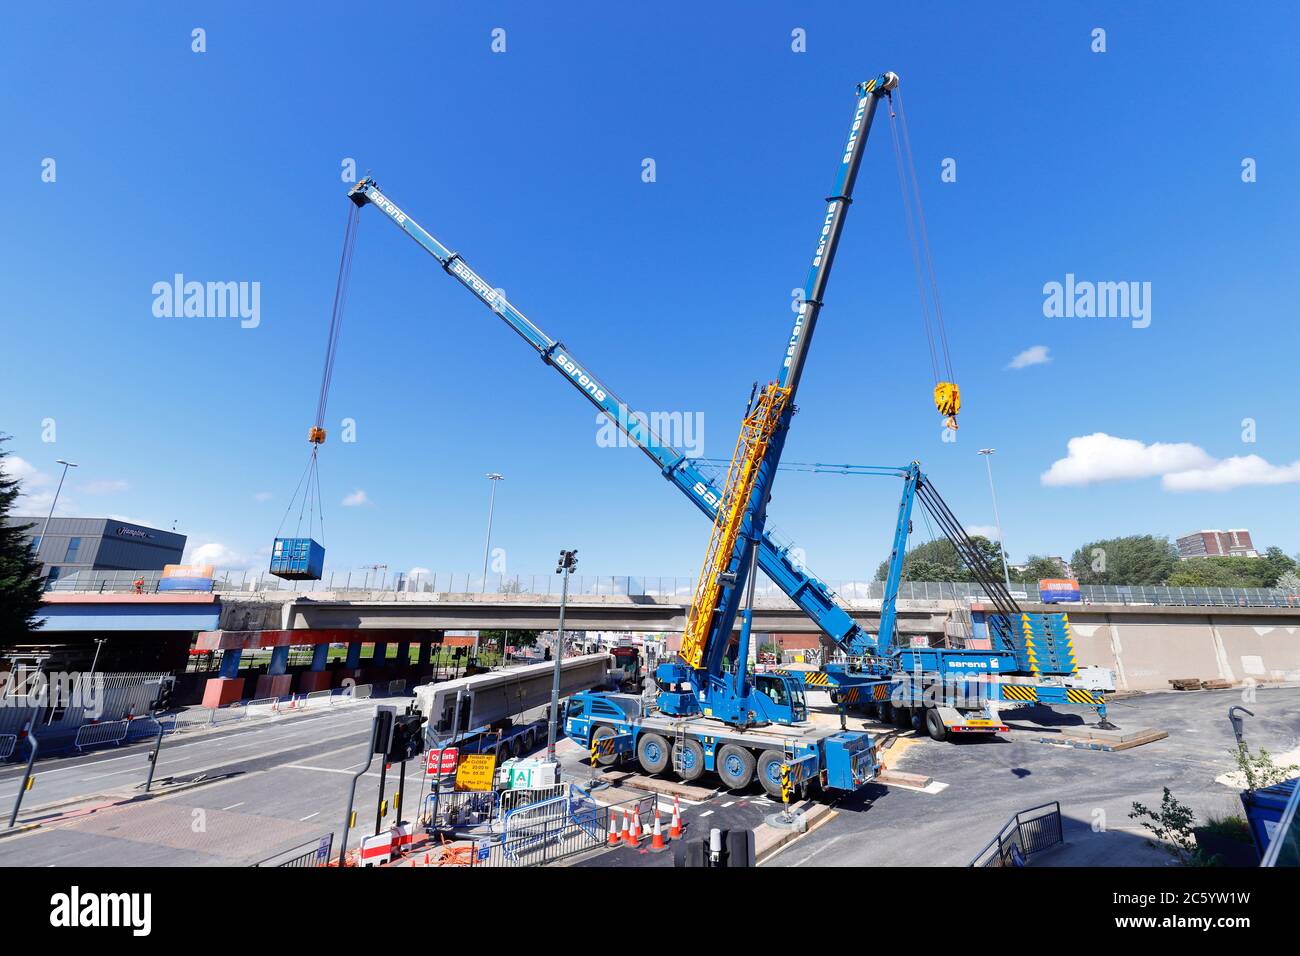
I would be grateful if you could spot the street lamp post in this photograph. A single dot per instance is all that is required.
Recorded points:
(1002, 545)
(566, 565)
(493, 477)
(66, 465)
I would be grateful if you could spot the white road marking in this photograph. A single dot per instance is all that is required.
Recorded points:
(233, 805)
(729, 803)
(308, 817)
(705, 814)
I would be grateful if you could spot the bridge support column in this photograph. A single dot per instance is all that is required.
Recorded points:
(318, 678)
(403, 655)
(228, 686)
(276, 682)
(380, 656)
(351, 669)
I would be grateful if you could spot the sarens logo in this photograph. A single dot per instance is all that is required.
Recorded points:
(380, 200)
(857, 128)
(588, 384)
(477, 285)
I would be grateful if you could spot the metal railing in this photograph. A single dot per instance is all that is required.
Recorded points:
(7, 744)
(666, 587)
(311, 854)
(108, 732)
(1028, 832)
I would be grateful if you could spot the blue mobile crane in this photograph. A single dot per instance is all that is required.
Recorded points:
(719, 718)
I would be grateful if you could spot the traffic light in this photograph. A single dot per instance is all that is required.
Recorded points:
(166, 687)
(408, 737)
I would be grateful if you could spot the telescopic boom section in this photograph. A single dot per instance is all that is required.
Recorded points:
(743, 510)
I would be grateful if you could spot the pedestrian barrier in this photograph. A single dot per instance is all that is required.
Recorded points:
(109, 732)
(362, 691)
(535, 839)
(1028, 832)
(263, 707)
(230, 713)
(7, 744)
(311, 854)
(141, 728)
(397, 686)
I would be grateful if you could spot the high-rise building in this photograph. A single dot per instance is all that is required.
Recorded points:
(1215, 544)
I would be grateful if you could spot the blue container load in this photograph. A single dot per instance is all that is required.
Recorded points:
(297, 559)
(1264, 811)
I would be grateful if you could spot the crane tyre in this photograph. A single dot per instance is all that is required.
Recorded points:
(601, 733)
(735, 765)
(653, 754)
(688, 760)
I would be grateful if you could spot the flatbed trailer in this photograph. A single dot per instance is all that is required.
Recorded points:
(781, 756)
(944, 705)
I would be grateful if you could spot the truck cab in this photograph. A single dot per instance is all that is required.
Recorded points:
(628, 665)
(593, 708)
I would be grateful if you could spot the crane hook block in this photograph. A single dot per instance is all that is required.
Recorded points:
(947, 399)
(317, 434)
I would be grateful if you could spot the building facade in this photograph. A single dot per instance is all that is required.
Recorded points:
(85, 544)
(1235, 543)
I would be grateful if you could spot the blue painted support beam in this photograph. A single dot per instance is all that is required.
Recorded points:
(319, 656)
(230, 663)
(279, 660)
(354, 655)
(380, 658)
(403, 653)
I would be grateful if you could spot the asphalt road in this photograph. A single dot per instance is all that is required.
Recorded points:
(990, 779)
(282, 782)
(275, 784)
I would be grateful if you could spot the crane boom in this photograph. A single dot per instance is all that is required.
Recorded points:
(740, 519)
(812, 595)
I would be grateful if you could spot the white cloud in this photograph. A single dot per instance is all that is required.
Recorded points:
(26, 472)
(106, 486)
(1231, 473)
(1034, 355)
(214, 552)
(356, 499)
(1180, 466)
(262, 496)
(1102, 457)
(986, 530)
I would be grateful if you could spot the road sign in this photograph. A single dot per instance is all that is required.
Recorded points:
(442, 762)
(475, 772)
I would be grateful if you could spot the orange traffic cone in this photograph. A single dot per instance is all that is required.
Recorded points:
(613, 829)
(634, 834)
(627, 836)
(657, 844)
(675, 830)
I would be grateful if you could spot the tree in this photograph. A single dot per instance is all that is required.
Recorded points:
(20, 572)
(1289, 582)
(938, 561)
(1037, 568)
(1135, 559)
(510, 638)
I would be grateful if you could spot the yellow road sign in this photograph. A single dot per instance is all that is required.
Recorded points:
(475, 772)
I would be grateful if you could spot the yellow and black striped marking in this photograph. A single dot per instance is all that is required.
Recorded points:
(785, 783)
(1022, 692)
(1076, 695)
(606, 747)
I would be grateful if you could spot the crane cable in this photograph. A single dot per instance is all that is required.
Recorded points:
(312, 506)
(947, 397)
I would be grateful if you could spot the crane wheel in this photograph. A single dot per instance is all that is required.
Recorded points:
(735, 765)
(688, 760)
(934, 725)
(601, 733)
(769, 772)
(652, 753)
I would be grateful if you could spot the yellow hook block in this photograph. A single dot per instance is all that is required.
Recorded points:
(947, 399)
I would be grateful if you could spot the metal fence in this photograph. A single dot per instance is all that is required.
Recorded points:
(538, 835)
(7, 744)
(311, 854)
(666, 587)
(1028, 832)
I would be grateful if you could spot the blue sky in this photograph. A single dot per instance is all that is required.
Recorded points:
(225, 166)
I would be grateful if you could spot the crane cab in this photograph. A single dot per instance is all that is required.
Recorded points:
(780, 699)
